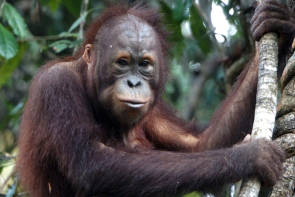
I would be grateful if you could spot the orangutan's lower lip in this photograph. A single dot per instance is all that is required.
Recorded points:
(133, 102)
(133, 105)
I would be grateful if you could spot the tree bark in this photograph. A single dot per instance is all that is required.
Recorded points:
(285, 186)
(285, 126)
(285, 130)
(266, 101)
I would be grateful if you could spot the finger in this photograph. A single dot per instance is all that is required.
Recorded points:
(266, 16)
(247, 138)
(273, 2)
(277, 168)
(268, 176)
(280, 153)
(276, 159)
(272, 25)
(268, 8)
(276, 165)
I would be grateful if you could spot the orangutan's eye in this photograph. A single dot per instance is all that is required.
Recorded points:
(122, 62)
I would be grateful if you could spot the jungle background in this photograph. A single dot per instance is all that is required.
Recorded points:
(204, 64)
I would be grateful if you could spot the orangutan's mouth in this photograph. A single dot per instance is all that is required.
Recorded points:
(134, 103)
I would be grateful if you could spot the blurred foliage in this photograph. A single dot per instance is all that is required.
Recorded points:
(33, 32)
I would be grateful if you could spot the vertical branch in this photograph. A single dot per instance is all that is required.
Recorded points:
(266, 101)
(83, 12)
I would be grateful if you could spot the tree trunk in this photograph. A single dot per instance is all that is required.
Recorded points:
(285, 131)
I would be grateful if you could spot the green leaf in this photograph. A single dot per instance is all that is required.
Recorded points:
(199, 30)
(78, 21)
(172, 21)
(9, 66)
(8, 44)
(15, 21)
(68, 35)
(60, 45)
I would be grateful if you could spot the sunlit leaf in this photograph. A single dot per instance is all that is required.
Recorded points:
(10, 65)
(8, 44)
(193, 194)
(15, 21)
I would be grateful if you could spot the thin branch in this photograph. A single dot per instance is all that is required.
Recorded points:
(83, 11)
(49, 37)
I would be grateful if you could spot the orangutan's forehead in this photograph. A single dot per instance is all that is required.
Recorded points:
(130, 31)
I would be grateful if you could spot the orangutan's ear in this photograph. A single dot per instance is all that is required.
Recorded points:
(87, 53)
